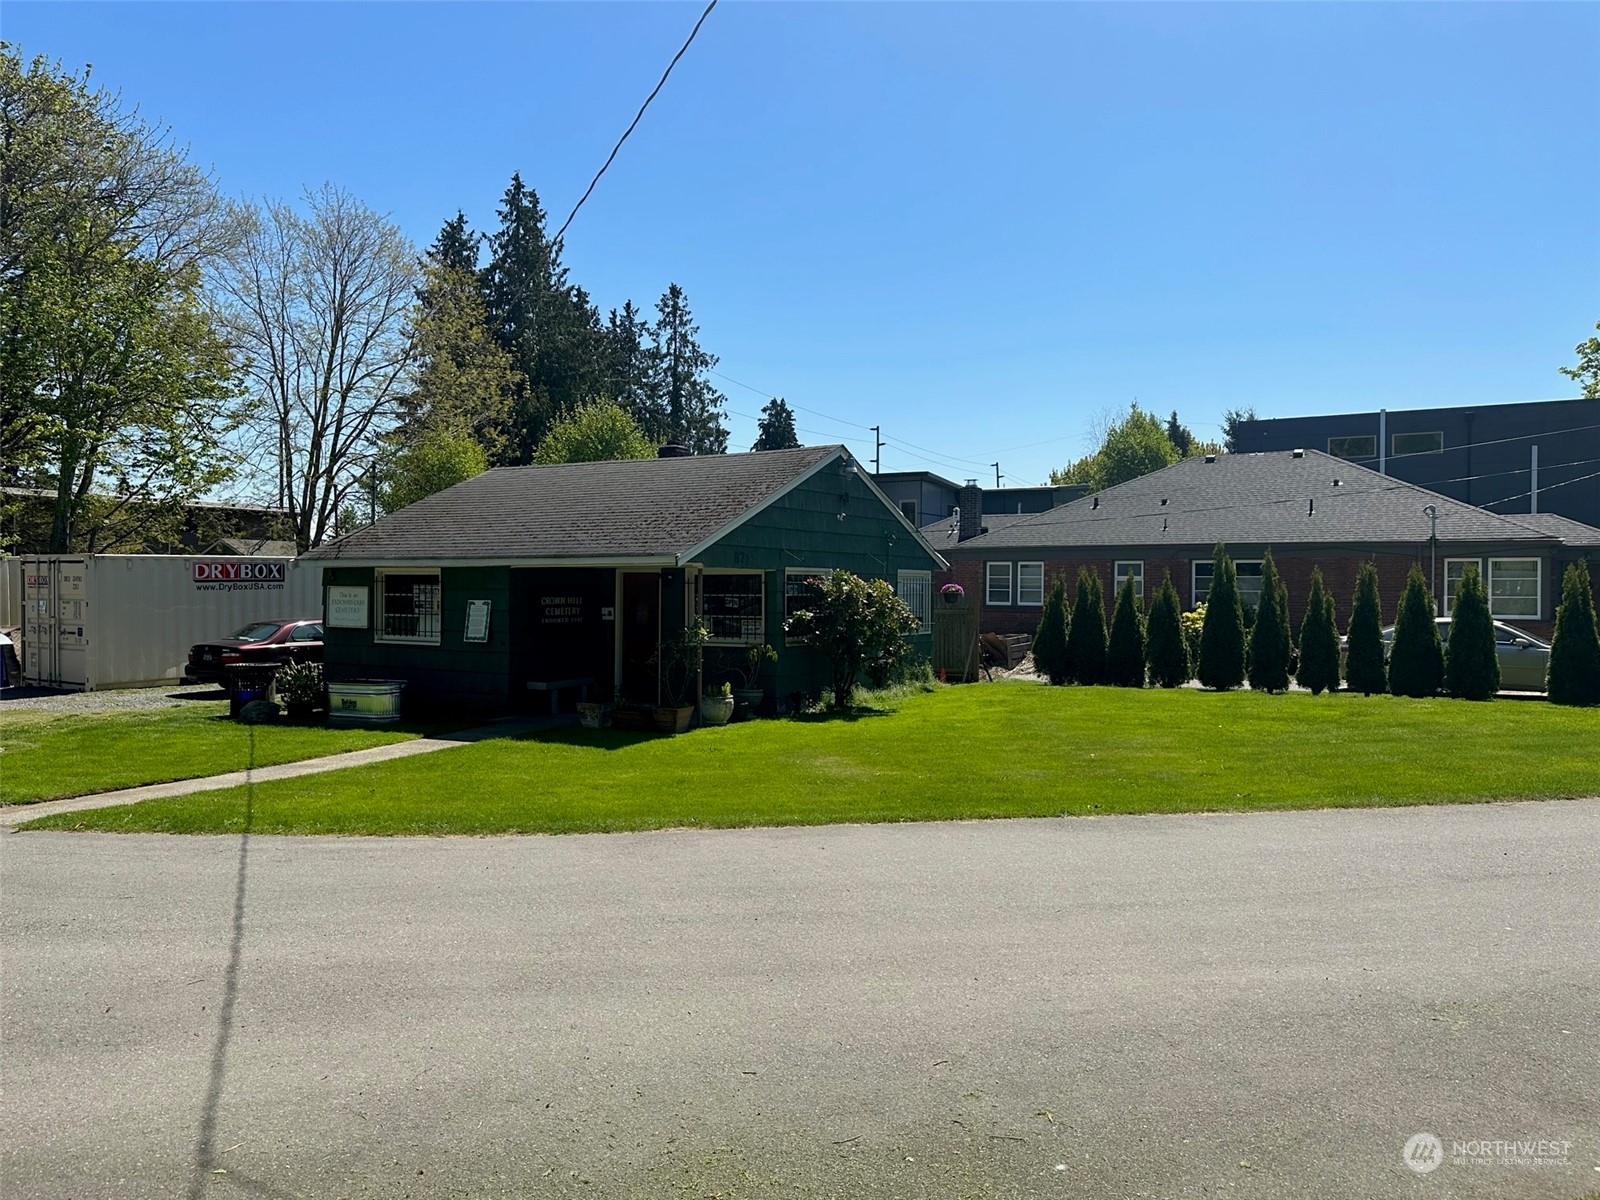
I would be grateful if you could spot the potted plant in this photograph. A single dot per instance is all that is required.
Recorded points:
(299, 685)
(952, 593)
(679, 663)
(716, 706)
(750, 694)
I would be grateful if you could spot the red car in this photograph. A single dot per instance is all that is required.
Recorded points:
(257, 642)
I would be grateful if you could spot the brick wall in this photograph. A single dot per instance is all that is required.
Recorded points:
(1338, 576)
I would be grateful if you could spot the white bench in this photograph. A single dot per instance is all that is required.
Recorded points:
(554, 686)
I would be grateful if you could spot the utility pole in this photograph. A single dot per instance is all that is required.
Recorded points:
(997, 475)
(877, 449)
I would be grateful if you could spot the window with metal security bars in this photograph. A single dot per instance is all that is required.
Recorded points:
(733, 607)
(1363, 446)
(1514, 587)
(408, 607)
(916, 589)
(799, 594)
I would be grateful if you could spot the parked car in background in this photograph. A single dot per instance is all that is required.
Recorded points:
(1524, 659)
(257, 642)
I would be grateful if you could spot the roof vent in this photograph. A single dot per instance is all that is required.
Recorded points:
(1338, 483)
(1163, 502)
(673, 450)
(1311, 507)
(1211, 458)
(1163, 524)
(1095, 503)
(1297, 453)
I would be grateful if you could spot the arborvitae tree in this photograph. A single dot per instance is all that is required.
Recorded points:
(1365, 670)
(1416, 663)
(776, 431)
(681, 387)
(1165, 646)
(1471, 663)
(1222, 639)
(1319, 641)
(1086, 639)
(1125, 653)
(1574, 676)
(1270, 647)
(1050, 642)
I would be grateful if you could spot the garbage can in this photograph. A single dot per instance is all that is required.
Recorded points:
(248, 682)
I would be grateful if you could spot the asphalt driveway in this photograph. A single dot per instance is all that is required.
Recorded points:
(1253, 1006)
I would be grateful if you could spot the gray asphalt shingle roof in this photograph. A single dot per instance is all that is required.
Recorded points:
(1571, 533)
(651, 508)
(1279, 498)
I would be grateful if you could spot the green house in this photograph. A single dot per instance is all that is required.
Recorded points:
(525, 584)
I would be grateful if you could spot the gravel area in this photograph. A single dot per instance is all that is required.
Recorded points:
(126, 700)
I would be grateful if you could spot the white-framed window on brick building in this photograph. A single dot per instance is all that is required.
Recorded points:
(409, 608)
(916, 589)
(1030, 584)
(1455, 569)
(1514, 587)
(1128, 569)
(1248, 572)
(997, 583)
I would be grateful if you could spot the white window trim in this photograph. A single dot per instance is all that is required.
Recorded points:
(1538, 595)
(925, 617)
(1194, 577)
(740, 641)
(988, 585)
(1446, 602)
(1117, 575)
(378, 635)
(1043, 590)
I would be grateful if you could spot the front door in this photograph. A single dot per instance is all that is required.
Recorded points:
(641, 633)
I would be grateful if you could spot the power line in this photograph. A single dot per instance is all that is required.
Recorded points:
(636, 117)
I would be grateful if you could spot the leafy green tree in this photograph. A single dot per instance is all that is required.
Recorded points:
(1416, 663)
(1574, 674)
(1587, 373)
(1222, 639)
(1471, 663)
(1319, 641)
(1125, 652)
(1086, 635)
(1050, 640)
(776, 430)
(862, 626)
(436, 460)
(464, 380)
(1365, 669)
(1081, 471)
(1166, 648)
(1134, 446)
(681, 386)
(1270, 647)
(596, 432)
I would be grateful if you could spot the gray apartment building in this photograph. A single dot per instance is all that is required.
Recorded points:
(1539, 457)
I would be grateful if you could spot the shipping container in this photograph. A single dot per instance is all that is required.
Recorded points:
(10, 593)
(96, 621)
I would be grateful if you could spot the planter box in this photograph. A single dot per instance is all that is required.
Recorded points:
(634, 720)
(365, 702)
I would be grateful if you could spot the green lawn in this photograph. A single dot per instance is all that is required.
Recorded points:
(47, 755)
(1003, 750)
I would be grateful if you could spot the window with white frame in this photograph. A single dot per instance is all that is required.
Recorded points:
(916, 589)
(997, 583)
(1129, 569)
(1455, 569)
(1514, 587)
(1030, 584)
(1248, 572)
(409, 607)
(732, 604)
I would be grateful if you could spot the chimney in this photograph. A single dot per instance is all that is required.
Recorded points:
(970, 500)
(673, 450)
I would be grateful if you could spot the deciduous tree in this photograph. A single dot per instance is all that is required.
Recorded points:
(862, 627)
(1587, 373)
(599, 431)
(435, 460)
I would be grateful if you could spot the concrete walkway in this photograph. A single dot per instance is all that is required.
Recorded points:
(509, 727)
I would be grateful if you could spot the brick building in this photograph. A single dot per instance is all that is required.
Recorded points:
(1310, 509)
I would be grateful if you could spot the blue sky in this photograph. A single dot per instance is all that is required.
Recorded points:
(979, 226)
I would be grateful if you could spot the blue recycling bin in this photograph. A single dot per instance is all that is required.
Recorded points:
(248, 682)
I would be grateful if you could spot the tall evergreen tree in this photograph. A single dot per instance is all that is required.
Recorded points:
(456, 247)
(1180, 435)
(1365, 670)
(1416, 663)
(1050, 641)
(682, 388)
(1125, 652)
(776, 431)
(1574, 674)
(463, 381)
(1270, 647)
(1222, 638)
(1165, 646)
(1471, 662)
(1319, 641)
(628, 359)
(1086, 639)
(545, 324)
